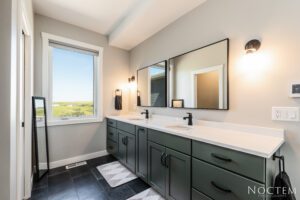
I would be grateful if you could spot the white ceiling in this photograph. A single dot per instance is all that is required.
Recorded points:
(126, 22)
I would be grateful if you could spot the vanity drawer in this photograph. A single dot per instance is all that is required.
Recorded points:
(112, 147)
(111, 122)
(129, 128)
(112, 134)
(196, 195)
(174, 142)
(221, 184)
(245, 164)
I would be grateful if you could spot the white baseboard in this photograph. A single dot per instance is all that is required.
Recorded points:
(64, 162)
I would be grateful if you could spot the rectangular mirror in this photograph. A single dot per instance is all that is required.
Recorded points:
(199, 79)
(152, 85)
(40, 137)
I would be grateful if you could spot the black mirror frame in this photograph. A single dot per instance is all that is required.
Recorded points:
(38, 177)
(166, 84)
(170, 105)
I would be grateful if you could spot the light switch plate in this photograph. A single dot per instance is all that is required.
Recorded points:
(286, 114)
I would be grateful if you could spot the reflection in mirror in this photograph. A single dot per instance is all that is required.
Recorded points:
(199, 78)
(152, 85)
(41, 164)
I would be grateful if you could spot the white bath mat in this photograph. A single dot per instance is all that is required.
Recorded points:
(148, 194)
(115, 173)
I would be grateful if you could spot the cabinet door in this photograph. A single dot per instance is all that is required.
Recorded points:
(130, 153)
(219, 183)
(141, 153)
(196, 195)
(178, 175)
(156, 168)
(122, 147)
(112, 147)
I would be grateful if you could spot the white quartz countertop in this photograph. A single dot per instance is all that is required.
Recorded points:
(259, 141)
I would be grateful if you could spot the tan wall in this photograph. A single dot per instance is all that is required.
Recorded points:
(208, 90)
(143, 86)
(254, 86)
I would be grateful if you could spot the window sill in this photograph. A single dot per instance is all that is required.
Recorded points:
(74, 121)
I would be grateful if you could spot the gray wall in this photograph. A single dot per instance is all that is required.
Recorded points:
(253, 89)
(7, 82)
(74, 140)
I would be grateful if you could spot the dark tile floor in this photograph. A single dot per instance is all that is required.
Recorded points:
(83, 183)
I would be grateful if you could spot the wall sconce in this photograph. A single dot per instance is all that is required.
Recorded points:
(131, 83)
(118, 99)
(254, 64)
(252, 46)
(131, 79)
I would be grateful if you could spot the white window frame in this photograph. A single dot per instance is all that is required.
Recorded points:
(98, 77)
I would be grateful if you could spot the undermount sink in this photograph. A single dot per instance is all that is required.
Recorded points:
(179, 127)
(135, 118)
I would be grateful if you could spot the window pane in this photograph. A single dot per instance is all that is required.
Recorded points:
(72, 84)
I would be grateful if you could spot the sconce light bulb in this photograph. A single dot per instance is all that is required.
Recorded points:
(252, 50)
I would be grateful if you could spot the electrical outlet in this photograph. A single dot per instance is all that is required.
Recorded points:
(286, 113)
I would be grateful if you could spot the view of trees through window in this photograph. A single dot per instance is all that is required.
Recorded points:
(72, 83)
(72, 109)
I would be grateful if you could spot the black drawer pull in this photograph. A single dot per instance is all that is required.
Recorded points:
(167, 160)
(126, 140)
(162, 159)
(220, 188)
(110, 122)
(141, 129)
(221, 158)
(110, 133)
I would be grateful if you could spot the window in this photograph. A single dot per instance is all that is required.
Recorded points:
(72, 73)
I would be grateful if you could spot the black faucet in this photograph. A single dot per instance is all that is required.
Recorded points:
(190, 118)
(146, 113)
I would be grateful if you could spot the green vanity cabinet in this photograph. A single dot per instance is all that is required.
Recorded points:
(129, 128)
(169, 172)
(126, 153)
(121, 147)
(221, 173)
(131, 152)
(156, 168)
(222, 184)
(112, 138)
(178, 175)
(121, 142)
(111, 123)
(141, 137)
(112, 134)
(196, 195)
(112, 147)
(244, 164)
(183, 169)
(171, 141)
